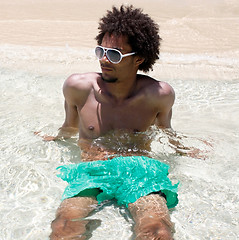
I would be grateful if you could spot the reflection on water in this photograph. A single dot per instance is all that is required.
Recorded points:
(205, 116)
(155, 142)
(124, 142)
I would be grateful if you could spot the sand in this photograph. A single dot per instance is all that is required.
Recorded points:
(186, 25)
(209, 29)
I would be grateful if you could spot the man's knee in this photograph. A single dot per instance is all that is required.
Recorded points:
(57, 227)
(150, 229)
(66, 228)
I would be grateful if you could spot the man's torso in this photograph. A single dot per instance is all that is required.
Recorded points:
(100, 114)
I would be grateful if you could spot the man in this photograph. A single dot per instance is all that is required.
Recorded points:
(117, 99)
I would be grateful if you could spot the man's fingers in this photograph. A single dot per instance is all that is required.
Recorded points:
(45, 137)
(49, 138)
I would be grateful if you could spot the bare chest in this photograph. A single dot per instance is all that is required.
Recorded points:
(96, 119)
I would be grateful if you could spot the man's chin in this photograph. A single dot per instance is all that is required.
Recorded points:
(109, 80)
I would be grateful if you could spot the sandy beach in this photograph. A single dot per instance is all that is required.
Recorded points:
(187, 25)
(43, 42)
(209, 29)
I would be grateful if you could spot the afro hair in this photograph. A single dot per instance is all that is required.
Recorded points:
(141, 30)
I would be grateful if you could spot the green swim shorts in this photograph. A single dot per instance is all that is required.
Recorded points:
(124, 178)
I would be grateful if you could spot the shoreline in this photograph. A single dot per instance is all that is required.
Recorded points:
(57, 37)
(63, 61)
(186, 26)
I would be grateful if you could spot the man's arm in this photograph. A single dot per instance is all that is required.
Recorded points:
(163, 120)
(165, 101)
(71, 123)
(69, 127)
(75, 92)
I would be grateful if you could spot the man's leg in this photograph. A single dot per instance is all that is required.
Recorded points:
(68, 224)
(152, 220)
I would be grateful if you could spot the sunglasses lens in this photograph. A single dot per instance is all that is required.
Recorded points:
(113, 55)
(99, 52)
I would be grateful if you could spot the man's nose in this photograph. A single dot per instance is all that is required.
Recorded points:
(104, 58)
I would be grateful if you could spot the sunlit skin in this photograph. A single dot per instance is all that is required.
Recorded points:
(94, 106)
(134, 102)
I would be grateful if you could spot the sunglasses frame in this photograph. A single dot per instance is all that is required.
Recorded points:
(112, 49)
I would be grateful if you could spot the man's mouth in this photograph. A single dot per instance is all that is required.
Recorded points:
(106, 67)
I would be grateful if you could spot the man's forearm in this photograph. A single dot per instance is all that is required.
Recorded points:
(66, 132)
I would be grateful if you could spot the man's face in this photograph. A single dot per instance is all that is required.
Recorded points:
(112, 72)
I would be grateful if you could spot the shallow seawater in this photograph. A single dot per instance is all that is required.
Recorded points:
(205, 116)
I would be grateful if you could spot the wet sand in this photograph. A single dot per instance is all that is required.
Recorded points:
(208, 29)
(185, 26)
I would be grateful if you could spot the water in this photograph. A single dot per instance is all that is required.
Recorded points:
(205, 110)
(40, 48)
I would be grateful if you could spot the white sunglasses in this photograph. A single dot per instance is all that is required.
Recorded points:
(113, 55)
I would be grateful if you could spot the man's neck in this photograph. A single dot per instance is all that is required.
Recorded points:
(120, 90)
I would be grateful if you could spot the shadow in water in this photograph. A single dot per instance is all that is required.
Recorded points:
(92, 225)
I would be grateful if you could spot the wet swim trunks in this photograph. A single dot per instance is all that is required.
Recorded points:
(124, 178)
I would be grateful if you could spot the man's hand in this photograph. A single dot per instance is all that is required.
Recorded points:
(176, 142)
(46, 137)
(64, 133)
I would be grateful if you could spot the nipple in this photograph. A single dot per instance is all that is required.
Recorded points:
(91, 128)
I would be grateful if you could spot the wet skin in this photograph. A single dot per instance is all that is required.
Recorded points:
(95, 106)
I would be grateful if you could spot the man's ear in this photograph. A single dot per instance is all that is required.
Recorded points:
(139, 60)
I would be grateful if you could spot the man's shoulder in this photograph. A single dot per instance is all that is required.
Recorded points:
(77, 80)
(77, 87)
(159, 93)
(166, 88)
(151, 84)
